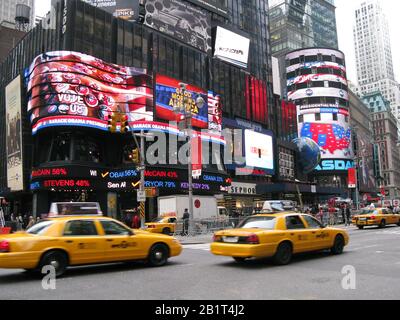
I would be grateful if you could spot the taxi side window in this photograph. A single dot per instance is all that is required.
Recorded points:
(294, 223)
(80, 228)
(112, 228)
(312, 223)
(172, 220)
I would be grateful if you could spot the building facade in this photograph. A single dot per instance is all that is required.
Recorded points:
(373, 53)
(364, 149)
(66, 152)
(302, 24)
(8, 11)
(317, 85)
(385, 137)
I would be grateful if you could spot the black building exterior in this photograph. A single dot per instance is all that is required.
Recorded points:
(71, 164)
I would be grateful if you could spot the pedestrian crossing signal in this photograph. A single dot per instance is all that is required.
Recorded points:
(134, 156)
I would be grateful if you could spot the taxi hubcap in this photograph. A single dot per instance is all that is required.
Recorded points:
(158, 255)
(55, 264)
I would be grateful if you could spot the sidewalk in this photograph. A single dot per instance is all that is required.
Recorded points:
(197, 239)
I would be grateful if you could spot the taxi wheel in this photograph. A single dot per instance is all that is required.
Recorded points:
(360, 227)
(284, 254)
(338, 245)
(166, 231)
(56, 259)
(239, 260)
(382, 224)
(158, 255)
(398, 223)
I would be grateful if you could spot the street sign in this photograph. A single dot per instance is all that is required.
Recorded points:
(141, 196)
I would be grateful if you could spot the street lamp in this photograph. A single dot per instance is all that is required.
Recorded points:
(185, 110)
(299, 194)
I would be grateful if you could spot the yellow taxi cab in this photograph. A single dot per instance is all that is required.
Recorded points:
(375, 217)
(278, 236)
(165, 225)
(81, 240)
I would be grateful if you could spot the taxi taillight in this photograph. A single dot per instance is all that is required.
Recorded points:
(4, 246)
(252, 239)
(217, 238)
(373, 217)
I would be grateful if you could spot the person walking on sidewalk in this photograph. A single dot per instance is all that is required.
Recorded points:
(185, 219)
(348, 216)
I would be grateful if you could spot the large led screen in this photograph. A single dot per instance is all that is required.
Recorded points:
(74, 89)
(169, 96)
(217, 6)
(232, 47)
(180, 20)
(259, 150)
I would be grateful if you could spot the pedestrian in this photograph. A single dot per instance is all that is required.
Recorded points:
(20, 223)
(128, 219)
(344, 214)
(348, 216)
(185, 218)
(31, 223)
(136, 222)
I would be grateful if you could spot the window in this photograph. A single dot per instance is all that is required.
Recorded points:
(80, 228)
(312, 223)
(61, 148)
(40, 228)
(112, 228)
(294, 223)
(267, 223)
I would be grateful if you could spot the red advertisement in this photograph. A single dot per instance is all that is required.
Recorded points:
(197, 163)
(63, 83)
(352, 178)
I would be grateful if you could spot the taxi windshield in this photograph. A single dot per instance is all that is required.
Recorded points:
(267, 223)
(369, 212)
(159, 219)
(40, 227)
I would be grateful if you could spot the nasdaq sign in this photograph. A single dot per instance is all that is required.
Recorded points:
(335, 165)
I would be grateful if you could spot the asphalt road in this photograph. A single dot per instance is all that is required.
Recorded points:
(198, 275)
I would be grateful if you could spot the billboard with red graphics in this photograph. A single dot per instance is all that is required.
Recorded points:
(169, 95)
(75, 89)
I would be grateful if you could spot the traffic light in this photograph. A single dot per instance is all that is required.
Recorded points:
(135, 156)
(112, 123)
(124, 124)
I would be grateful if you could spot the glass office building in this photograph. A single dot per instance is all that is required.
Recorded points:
(296, 24)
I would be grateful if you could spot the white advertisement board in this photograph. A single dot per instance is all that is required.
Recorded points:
(232, 47)
(15, 179)
(259, 150)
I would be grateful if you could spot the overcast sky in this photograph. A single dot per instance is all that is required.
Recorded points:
(345, 20)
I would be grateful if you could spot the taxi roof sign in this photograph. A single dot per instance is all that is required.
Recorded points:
(61, 209)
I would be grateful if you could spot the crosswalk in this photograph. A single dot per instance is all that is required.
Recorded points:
(202, 246)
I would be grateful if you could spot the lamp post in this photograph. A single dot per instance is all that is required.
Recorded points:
(185, 110)
(299, 194)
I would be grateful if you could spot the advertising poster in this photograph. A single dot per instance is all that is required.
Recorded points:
(124, 9)
(15, 179)
(180, 20)
(232, 47)
(170, 96)
(259, 150)
(318, 92)
(214, 113)
(69, 88)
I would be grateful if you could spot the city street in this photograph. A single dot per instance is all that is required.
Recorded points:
(198, 275)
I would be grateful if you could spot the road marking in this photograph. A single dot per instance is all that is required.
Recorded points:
(365, 247)
(203, 246)
(380, 252)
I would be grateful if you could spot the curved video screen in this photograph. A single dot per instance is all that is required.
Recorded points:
(64, 86)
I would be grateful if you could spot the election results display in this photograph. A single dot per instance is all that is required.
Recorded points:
(317, 84)
(75, 89)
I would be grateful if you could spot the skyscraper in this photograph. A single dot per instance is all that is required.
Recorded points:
(297, 24)
(8, 11)
(374, 55)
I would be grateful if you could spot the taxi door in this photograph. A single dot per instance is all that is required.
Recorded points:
(120, 242)
(298, 233)
(389, 216)
(82, 240)
(319, 237)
